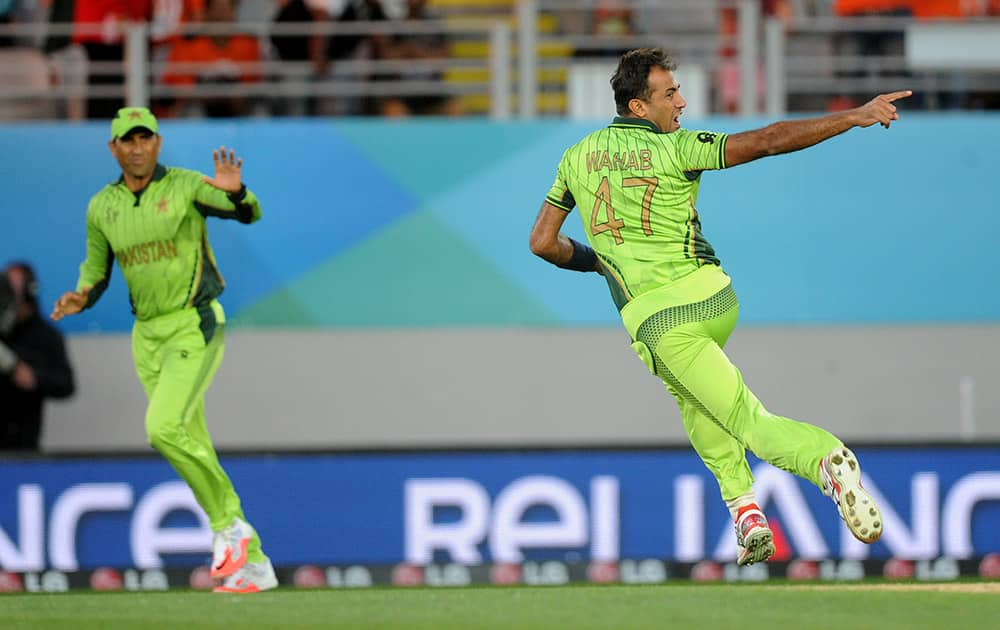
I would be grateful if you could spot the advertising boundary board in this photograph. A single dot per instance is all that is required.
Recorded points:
(482, 508)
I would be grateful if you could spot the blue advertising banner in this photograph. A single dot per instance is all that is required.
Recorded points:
(380, 207)
(483, 507)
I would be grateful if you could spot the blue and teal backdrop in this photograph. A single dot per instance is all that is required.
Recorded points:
(417, 224)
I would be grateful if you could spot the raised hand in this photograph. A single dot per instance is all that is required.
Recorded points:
(880, 109)
(228, 171)
(70, 303)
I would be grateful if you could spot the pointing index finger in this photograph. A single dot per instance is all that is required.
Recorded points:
(898, 95)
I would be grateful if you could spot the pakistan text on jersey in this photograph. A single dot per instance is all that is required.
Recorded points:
(144, 253)
(620, 161)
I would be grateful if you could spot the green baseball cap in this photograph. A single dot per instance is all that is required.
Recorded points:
(129, 118)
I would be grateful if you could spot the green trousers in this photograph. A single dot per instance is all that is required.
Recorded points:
(683, 345)
(176, 357)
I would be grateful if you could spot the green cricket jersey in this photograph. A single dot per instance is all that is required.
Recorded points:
(160, 240)
(636, 188)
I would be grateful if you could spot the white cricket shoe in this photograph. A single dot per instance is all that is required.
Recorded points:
(841, 476)
(754, 537)
(229, 548)
(254, 577)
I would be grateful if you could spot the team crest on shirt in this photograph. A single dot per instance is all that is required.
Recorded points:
(162, 206)
(110, 214)
(706, 137)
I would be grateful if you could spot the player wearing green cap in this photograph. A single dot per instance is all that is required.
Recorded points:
(152, 221)
(636, 183)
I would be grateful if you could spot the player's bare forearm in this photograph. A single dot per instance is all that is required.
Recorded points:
(792, 135)
(565, 255)
(545, 241)
(550, 245)
(784, 137)
(558, 251)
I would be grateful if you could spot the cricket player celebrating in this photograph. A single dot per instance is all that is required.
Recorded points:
(152, 220)
(636, 183)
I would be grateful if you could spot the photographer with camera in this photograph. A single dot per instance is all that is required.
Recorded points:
(33, 361)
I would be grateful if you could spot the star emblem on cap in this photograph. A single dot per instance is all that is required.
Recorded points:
(134, 115)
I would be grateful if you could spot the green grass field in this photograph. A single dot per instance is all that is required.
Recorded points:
(858, 606)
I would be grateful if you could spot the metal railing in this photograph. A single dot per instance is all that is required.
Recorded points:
(809, 60)
(140, 73)
(770, 66)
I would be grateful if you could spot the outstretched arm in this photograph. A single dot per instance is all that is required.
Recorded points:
(792, 135)
(546, 242)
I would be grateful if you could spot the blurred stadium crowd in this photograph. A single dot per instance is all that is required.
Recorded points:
(230, 58)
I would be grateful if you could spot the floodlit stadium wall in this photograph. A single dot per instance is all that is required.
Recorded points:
(388, 298)
(449, 518)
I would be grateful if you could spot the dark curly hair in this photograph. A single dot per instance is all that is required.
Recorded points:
(631, 78)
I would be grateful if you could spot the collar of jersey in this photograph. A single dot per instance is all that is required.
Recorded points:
(629, 122)
(158, 173)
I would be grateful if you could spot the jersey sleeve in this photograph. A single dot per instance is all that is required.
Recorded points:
(242, 206)
(95, 271)
(559, 195)
(700, 150)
